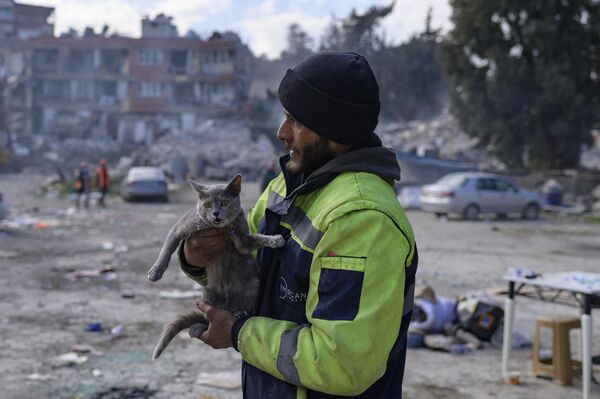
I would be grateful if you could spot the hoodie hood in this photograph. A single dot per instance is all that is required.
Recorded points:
(371, 157)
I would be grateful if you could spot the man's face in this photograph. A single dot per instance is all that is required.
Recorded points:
(308, 150)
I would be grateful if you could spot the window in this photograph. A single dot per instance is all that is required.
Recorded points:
(150, 89)
(503, 185)
(84, 90)
(148, 56)
(486, 184)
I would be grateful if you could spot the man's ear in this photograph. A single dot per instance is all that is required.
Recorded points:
(235, 185)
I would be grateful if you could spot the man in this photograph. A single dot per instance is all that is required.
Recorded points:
(336, 300)
(83, 184)
(102, 181)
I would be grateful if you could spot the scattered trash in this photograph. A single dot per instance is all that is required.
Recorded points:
(460, 349)
(121, 249)
(96, 373)
(69, 359)
(116, 332)
(93, 273)
(177, 294)
(127, 295)
(513, 378)
(82, 348)
(222, 379)
(94, 327)
(125, 392)
(107, 245)
(109, 276)
(39, 377)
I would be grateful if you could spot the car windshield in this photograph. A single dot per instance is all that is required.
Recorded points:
(452, 181)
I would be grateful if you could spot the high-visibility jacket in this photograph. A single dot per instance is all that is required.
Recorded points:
(336, 300)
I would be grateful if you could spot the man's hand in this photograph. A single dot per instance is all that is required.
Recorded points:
(218, 335)
(206, 246)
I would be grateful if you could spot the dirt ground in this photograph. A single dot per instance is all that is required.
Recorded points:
(45, 307)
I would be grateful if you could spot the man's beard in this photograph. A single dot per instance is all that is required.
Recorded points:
(312, 157)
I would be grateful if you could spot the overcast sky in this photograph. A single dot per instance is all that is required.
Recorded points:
(262, 24)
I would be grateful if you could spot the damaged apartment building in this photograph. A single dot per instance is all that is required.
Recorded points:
(18, 23)
(99, 86)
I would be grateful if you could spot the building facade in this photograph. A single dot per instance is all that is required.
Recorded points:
(129, 89)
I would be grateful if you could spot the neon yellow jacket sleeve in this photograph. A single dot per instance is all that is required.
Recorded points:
(340, 357)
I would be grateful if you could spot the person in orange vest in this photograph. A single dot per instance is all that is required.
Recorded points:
(103, 181)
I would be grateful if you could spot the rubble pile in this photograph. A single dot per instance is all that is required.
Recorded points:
(440, 137)
(216, 149)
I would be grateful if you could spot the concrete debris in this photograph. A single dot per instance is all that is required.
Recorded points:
(222, 379)
(69, 359)
(39, 377)
(440, 138)
(83, 348)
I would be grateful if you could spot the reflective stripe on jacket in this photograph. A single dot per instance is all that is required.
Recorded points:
(337, 298)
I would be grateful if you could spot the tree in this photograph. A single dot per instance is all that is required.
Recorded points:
(525, 77)
(299, 44)
(412, 84)
(356, 32)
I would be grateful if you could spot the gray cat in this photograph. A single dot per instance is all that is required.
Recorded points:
(232, 282)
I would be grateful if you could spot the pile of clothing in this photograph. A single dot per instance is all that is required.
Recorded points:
(454, 325)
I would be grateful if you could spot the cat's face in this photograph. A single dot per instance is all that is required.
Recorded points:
(218, 204)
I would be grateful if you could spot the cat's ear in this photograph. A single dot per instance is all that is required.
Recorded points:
(199, 188)
(235, 185)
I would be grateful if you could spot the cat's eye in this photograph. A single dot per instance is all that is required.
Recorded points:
(208, 205)
(225, 202)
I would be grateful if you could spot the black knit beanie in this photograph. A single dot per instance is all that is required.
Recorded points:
(335, 94)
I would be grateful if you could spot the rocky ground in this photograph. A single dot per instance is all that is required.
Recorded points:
(49, 294)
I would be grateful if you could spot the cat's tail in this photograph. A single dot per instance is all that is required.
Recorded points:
(182, 322)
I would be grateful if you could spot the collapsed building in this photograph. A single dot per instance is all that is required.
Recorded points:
(130, 89)
(96, 86)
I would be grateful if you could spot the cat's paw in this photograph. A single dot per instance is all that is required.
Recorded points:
(276, 241)
(197, 329)
(155, 273)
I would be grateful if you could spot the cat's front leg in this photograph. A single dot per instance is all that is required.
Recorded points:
(162, 263)
(248, 243)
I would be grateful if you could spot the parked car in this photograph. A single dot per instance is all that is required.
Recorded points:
(2, 208)
(472, 193)
(145, 182)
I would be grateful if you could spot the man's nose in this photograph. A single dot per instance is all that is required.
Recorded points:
(284, 133)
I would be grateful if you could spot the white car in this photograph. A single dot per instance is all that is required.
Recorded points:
(472, 193)
(145, 182)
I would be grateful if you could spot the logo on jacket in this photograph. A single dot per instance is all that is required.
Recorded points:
(287, 294)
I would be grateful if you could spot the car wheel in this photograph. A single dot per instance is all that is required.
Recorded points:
(471, 212)
(531, 212)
